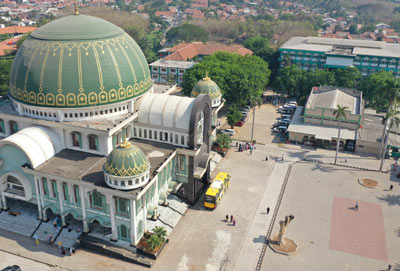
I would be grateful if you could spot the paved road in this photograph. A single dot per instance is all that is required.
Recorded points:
(7, 259)
(203, 240)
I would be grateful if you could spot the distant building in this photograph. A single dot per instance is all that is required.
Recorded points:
(315, 124)
(169, 71)
(16, 30)
(189, 51)
(368, 56)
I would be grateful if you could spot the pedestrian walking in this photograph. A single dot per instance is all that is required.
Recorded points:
(389, 267)
(251, 151)
(391, 187)
(37, 242)
(231, 218)
(282, 157)
(227, 218)
(345, 159)
(71, 250)
(62, 251)
(267, 210)
(356, 206)
(266, 157)
(234, 222)
(59, 244)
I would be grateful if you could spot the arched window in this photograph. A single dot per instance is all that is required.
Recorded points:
(13, 126)
(54, 188)
(122, 183)
(65, 191)
(15, 186)
(45, 188)
(130, 182)
(93, 142)
(76, 139)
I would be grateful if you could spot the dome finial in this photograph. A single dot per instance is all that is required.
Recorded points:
(125, 144)
(206, 78)
(76, 7)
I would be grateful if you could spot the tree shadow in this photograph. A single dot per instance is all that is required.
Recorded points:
(391, 200)
(398, 232)
(259, 239)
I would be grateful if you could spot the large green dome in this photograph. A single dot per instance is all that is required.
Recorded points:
(126, 160)
(208, 87)
(78, 61)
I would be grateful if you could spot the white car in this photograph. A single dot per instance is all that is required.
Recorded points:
(229, 132)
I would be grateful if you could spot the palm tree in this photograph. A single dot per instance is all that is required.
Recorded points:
(254, 101)
(340, 114)
(391, 118)
(153, 242)
(160, 232)
(393, 98)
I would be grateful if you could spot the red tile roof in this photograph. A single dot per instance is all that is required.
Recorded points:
(5, 49)
(187, 51)
(17, 29)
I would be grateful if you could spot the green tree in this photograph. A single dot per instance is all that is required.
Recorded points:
(233, 115)
(160, 232)
(224, 140)
(375, 89)
(340, 114)
(187, 32)
(289, 80)
(238, 77)
(349, 77)
(392, 117)
(261, 47)
(5, 68)
(353, 29)
(22, 39)
(153, 242)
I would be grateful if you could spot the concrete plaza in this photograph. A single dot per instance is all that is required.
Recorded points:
(330, 233)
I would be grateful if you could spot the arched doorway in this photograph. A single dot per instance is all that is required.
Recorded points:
(14, 186)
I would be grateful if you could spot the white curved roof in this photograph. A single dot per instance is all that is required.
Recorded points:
(166, 110)
(39, 143)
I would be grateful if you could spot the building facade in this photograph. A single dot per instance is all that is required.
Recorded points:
(85, 137)
(169, 71)
(367, 56)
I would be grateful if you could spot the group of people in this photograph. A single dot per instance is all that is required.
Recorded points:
(233, 220)
(245, 146)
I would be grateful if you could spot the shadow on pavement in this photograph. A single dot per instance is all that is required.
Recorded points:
(259, 239)
(391, 199)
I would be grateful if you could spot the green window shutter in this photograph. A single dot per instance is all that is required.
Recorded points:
(65, 192)
(96, 139)
(45, 188)
(2, 129)
(123, 134)
(54, 185)
(15, 126)
(114, 140)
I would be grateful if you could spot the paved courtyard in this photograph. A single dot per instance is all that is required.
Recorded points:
(330, 233)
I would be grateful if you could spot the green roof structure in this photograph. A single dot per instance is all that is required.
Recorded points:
(78, 61)
(206, 86)
(126, 160)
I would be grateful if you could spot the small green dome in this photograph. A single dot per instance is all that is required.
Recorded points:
(78, 61)
(126, 160)
(206, 86)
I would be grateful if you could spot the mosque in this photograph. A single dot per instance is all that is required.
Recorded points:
(85, 135)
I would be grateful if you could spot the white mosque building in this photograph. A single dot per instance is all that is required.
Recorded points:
(86, 137)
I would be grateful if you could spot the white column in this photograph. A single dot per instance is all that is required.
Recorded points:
(60, 200)
(143, 199)
(133, 222)
(114, 234)
(38, 200)
(41, 189)
(83, 205)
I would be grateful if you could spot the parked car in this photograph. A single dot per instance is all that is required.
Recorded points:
(12, 268)
(230, 132)
(244, 113)
(245, 109)
(240, 123)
